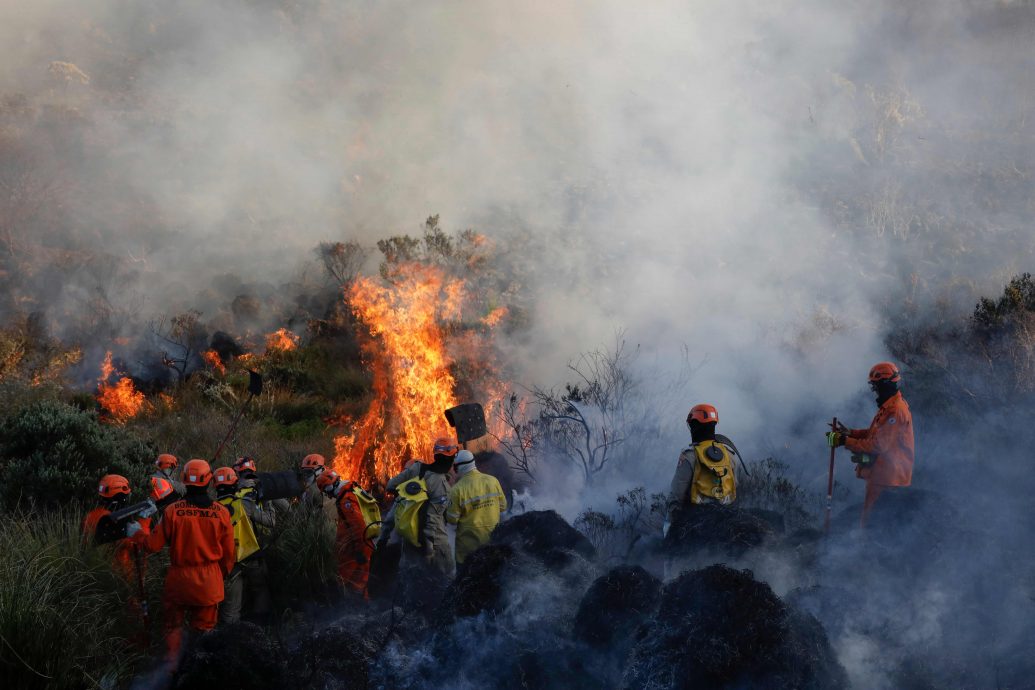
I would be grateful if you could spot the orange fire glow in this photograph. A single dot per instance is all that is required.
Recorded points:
(121, 401)
(212, 359)
(413, 324)
(281, 340)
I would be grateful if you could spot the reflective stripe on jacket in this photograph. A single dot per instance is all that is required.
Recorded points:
(890, 440)
(475, 504)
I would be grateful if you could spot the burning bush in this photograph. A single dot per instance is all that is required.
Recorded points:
(720, 628)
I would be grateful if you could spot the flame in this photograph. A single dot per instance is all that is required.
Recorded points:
(281, 340)
(493, 318)
(413, 326)
(212, 359)
(120, 401)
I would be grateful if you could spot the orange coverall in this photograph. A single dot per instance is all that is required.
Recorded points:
(890, 441)
(124, 558)
(201, 554)
(354, 551)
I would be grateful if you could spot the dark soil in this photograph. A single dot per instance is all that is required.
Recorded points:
(720, 628)
(723, 529)
(615, 606)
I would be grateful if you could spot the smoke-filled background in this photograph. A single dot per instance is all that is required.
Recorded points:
(763, 199)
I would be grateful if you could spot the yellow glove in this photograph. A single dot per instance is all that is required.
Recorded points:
(835, 439)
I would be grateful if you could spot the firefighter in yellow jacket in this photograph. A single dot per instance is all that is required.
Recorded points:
(705, 473)
(475, 504)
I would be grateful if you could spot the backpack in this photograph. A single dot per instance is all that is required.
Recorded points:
(244, 533)
(413, 494)
(368, 508)
(713, 475)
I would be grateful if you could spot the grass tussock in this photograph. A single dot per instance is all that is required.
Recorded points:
(64, 618)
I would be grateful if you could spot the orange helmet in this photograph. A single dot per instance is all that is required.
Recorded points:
(112, 485)
(445, 446)
(225, 476)
(161, 488)
(166, 462)
(327, 479)
(703, 413)
(884, 371)
(197, 473)
(314, 461)
(245, 464)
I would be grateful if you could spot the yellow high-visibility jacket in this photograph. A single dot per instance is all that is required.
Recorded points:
(475, 504)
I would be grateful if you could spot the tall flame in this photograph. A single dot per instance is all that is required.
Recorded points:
(412, 321)
(121, 401)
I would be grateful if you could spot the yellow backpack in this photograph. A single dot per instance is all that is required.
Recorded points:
(370, 510)
(244, 533)
(413, 494)
(713, 475)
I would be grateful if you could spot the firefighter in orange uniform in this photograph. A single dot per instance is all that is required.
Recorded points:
(114, 492)
(883, 453)
(201, 554)
(355, 534)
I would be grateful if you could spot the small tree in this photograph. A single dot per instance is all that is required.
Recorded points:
(587, 422)
(342, 260)
(520, 441)
(181, 340)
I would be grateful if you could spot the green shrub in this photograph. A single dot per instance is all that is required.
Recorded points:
(63, 618)
(52, 453)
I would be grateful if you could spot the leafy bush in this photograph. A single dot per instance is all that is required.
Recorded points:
(52, 453)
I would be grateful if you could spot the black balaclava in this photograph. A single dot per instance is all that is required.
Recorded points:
(884, 390)
(117, 502)
(442, 464)
(700, 432)
(198, 496)
(225, 490)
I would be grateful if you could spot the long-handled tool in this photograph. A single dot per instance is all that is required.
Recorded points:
(139, 558)
(830, 483)
(254, 388)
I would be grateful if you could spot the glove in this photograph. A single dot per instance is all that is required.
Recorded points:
(132, 529)
(150, 510)
(665, 527)
(835, 439)
(862, 459)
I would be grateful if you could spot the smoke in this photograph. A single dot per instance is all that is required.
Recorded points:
(775, 186)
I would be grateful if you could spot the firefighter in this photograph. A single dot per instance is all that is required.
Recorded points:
(883, 453)
(200, 537)
(248, 482)
(359, 519)
(247, 583)
(422, 492)
(114, 492)
(475, 504)
(705, 472)
(165, 468)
